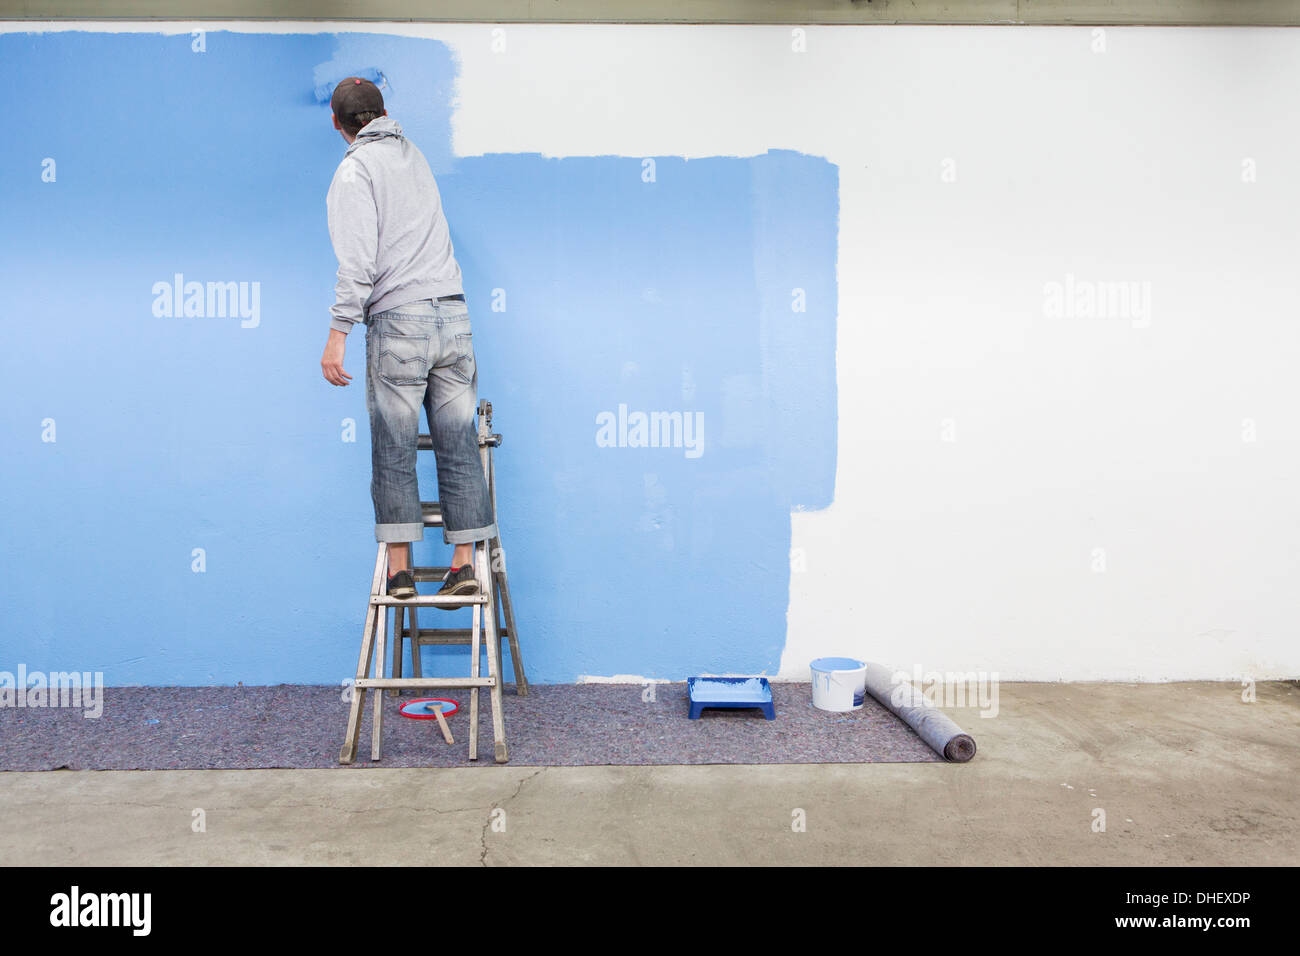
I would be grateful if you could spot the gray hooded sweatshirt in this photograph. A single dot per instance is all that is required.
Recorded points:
(387, 227)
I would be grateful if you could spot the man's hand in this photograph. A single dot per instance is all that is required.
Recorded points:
(331, 363)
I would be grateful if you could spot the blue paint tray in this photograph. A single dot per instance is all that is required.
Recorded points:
(730, 692)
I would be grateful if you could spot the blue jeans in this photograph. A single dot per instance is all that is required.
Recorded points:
(422, 353)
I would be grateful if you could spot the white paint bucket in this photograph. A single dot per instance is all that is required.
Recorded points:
(838, 683)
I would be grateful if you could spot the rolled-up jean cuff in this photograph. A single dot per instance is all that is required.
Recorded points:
(469, 536)
(399, 533)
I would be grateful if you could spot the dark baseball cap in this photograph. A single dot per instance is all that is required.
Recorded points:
(355, 95)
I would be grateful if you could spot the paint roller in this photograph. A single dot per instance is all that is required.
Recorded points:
(930, 723)
(326, 77)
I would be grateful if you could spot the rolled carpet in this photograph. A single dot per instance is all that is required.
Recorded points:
(930, 723)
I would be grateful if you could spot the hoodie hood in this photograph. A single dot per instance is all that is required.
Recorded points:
(379, 128)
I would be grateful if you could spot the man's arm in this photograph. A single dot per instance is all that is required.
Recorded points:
(354, 232)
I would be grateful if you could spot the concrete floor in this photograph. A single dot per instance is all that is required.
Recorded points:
(1186, 774)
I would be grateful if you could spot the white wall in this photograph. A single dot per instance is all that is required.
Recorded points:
(1106, 156)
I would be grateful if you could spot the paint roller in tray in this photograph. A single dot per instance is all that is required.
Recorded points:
(930, 723)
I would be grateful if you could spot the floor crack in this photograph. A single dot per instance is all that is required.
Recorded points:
(482, 858)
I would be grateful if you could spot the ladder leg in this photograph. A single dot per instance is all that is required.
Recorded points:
(474, 651)
(492, 640)
(397, 648)
(503, 595)
(475, 627)
(349, 751)
(501, 585)
(496, 609)
(377, 719)
(415, 643)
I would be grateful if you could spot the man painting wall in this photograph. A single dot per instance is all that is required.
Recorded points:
(399, 276)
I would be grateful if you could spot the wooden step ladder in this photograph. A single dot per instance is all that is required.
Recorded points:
(484, 633)
(410, 629)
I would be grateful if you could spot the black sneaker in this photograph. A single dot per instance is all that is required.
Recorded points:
(401, 585)
(459, 583)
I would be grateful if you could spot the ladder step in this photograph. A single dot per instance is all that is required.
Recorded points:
(428, 573)
(445, 635)
(431, 511)
(427, 600)
(422, 573)
(423, 682)
(425, 443)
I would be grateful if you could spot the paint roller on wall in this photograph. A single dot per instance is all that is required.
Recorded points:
(930, 723)
(327, 77)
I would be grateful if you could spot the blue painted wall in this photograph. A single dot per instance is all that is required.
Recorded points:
(176, 433)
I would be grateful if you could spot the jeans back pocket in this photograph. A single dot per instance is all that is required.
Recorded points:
(464, 364)
(403, 359)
